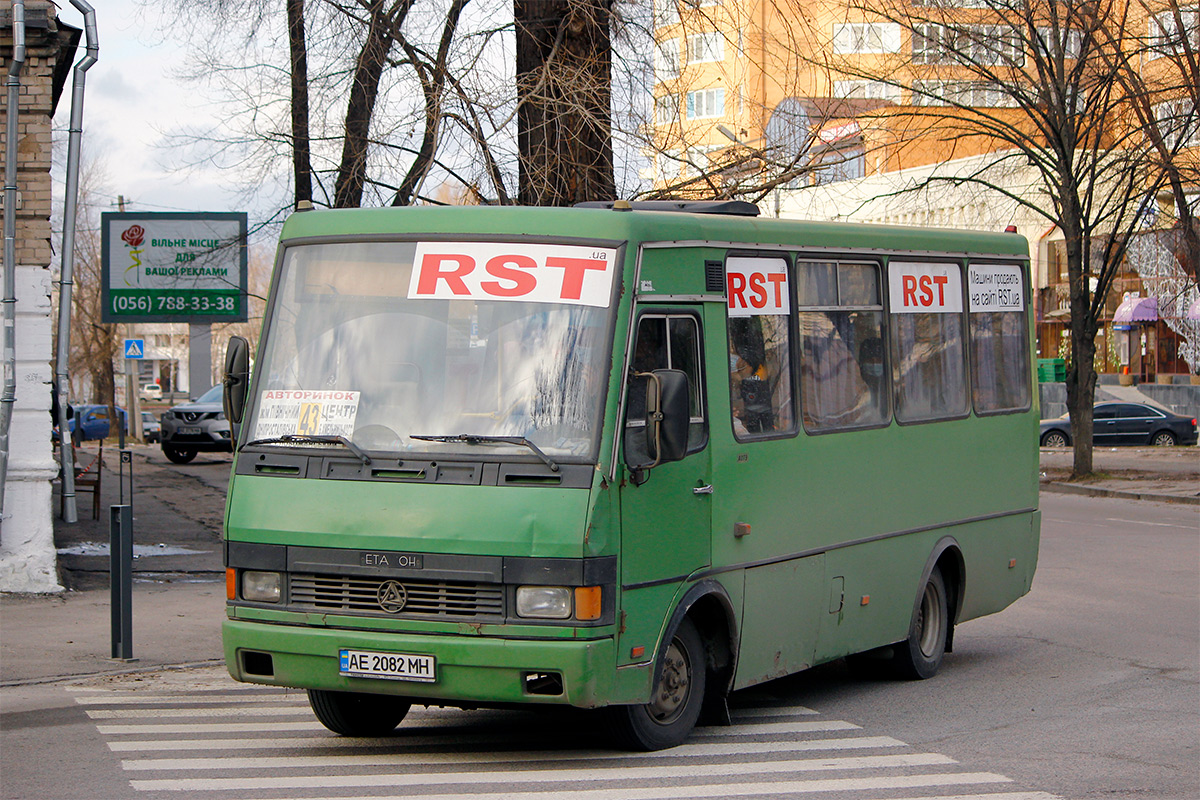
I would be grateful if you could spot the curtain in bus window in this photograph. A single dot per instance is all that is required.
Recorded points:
(1000, 374)
(842, 382)
(928, 366)
(842, 358)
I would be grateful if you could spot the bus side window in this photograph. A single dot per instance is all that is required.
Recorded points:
(929, 364)
(760, 376)
(843, 377)
(666, 341)
(1000, 372)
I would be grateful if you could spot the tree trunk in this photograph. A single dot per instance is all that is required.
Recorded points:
(352, 172)
(564, 74)
(1081, 375)
(301, 168)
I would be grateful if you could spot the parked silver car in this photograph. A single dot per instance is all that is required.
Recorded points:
(195, 427)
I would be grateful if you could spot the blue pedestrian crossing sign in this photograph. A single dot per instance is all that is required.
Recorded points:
(135, 348)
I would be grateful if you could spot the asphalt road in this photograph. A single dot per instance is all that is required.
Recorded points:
(1086, 688)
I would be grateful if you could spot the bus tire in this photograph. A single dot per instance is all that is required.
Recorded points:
(354, 714)
(920, 655)
(677, 698)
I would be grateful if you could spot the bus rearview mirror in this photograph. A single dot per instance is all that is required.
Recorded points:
(237, 375)
(667, 415)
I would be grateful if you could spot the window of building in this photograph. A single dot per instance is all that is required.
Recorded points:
(706, 103)
(666, 12)
(988, 45)
(760, 374)
(866, 90)
(927, 351)
(843, 363)
(999, 338)
(703, 47)
(1169, 33)
(666, 109)
(979, 94)
(1055, 41)
(1179, 122)
(665, 341)
(666, 60)
(866, 37)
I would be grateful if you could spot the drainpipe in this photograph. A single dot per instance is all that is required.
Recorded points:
(13, 83)
(62, 358)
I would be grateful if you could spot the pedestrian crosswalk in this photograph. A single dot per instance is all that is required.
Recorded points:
(225, 741)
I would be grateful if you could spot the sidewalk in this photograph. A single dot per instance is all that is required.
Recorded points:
(179, 591)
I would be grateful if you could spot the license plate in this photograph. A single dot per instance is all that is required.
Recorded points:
(189, 430)
(392, 666)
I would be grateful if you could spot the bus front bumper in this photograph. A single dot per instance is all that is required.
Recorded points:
(469, 669)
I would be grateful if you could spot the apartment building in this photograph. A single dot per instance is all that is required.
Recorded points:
(848, 105)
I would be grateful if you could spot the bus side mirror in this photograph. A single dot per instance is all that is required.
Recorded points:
(237, 376)
(667, 415)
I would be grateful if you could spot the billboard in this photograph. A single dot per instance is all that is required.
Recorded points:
(173, 267)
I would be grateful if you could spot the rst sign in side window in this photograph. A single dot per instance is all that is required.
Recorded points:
(760, 373)
(928, 358)
(1000, 372)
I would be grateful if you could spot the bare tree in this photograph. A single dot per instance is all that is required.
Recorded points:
(1036, 84)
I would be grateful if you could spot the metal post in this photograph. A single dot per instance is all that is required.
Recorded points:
(199, 358)
(126, 458)
(121, 574)
(67, 276)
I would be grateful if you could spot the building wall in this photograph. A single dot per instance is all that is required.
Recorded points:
(27, 554)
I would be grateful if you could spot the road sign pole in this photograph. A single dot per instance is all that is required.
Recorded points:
(199, 358)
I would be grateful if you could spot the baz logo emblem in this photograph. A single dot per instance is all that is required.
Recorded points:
(392, 596)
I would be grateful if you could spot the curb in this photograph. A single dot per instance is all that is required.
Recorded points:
(212, 662)
(1095, 491)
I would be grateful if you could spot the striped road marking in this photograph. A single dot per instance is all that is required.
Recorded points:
(232, 743)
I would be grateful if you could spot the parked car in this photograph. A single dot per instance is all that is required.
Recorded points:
(151, 391)
(89, 422)
(151, 428)
(196, 427)
(1124, 423)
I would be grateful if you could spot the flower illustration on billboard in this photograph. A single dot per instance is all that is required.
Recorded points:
(133, 236)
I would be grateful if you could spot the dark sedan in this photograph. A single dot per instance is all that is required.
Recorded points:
(1125, 423)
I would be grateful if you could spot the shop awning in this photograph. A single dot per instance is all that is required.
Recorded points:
(1193, 311)
(1137, 309)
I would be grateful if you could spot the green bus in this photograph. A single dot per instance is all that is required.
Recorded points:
(631, 457)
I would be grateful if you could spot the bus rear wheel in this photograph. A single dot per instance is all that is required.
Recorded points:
(920, 655)
(354, 714)
(670, 716)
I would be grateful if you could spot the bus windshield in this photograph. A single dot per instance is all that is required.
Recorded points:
(359, 346)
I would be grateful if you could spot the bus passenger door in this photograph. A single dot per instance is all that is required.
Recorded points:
(664, 521)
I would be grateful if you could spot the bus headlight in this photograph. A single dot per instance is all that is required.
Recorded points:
(544, 602)
(260, 587)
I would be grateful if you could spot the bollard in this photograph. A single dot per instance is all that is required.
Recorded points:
(121, 578)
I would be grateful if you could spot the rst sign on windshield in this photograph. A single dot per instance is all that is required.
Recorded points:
(531, 273)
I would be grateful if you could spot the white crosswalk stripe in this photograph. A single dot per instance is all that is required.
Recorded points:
(255, 743)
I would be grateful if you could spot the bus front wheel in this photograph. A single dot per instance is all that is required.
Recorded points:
(920, 655)
(354, 714)
(671, 714)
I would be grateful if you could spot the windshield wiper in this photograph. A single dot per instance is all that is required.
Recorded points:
(471, 438)
(304, 439)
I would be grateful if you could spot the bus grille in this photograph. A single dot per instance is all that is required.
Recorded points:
(446, 599)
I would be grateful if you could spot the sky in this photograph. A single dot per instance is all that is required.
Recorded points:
(131, 99)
